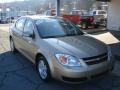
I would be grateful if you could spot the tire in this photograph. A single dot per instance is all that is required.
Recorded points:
(12, 46)
(96, 25)
(84, 26)
(43, 69)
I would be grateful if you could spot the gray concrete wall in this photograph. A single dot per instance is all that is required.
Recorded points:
(114, 15)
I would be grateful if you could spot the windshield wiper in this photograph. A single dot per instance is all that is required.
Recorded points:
(54, 36)
(72, 34)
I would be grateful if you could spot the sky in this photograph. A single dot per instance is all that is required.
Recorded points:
(3, 1)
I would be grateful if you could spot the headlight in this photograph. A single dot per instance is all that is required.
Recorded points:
(68, 60)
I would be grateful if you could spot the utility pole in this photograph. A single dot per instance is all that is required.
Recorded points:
(3, 10)
(49, 5)
(58, 8)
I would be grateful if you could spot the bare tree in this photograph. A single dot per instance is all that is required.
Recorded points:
(39, 5)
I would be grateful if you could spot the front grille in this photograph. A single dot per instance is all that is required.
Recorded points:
(96, 59)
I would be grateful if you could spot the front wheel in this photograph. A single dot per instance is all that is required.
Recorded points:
(43, 69)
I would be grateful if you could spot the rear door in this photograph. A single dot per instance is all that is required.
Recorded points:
(17, 32)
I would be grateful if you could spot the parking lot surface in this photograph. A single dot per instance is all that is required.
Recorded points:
(18, 73)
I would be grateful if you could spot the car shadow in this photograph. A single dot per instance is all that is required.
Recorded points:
(15, 68)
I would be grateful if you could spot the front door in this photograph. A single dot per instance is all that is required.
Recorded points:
(28, 41)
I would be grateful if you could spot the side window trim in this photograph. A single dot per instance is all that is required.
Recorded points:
(23, 24)
(27, 19)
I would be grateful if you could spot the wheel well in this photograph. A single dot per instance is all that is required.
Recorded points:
(36, 58)
(10, 37)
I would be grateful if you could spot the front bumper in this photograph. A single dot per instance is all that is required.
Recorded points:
(82, 74)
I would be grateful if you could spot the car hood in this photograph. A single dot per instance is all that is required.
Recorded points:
(80, 46)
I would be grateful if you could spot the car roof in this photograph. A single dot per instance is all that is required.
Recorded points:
(36, 17)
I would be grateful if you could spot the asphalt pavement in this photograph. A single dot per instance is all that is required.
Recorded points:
(18, 73)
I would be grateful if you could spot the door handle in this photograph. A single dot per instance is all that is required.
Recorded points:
(27, 40)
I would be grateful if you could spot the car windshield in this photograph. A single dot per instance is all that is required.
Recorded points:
(51, 28)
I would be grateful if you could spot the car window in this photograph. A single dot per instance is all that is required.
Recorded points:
(94, 13)
(20, 24)
(29, 27)
(101, 12)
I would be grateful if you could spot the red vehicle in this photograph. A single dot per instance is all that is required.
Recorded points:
(73, 18)
(82, 20)
(86, 19)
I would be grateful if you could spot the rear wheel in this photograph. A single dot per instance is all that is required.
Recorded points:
(43, 69)
(12, 46)
(84, 25)
(96, 25)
